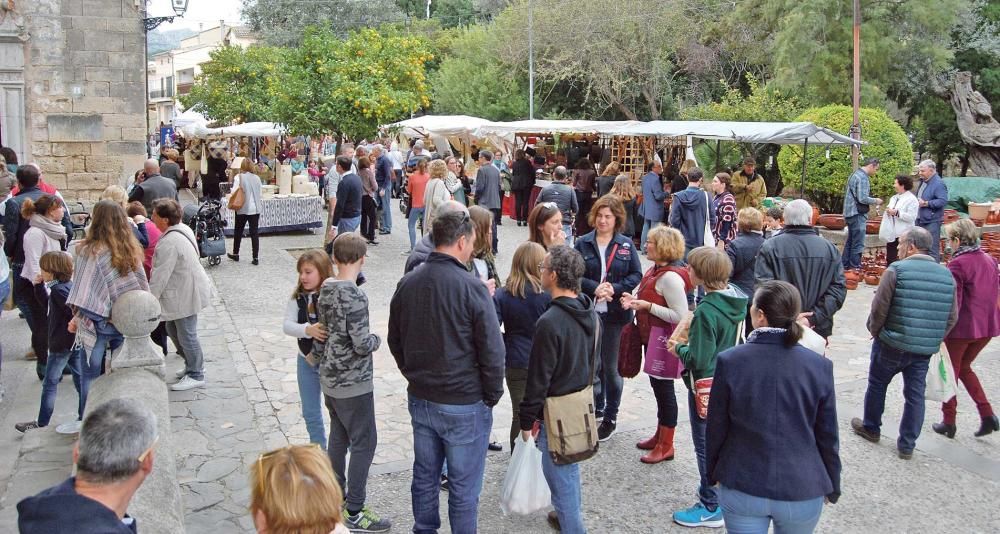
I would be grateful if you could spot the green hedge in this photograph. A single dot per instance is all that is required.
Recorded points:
(826, 178)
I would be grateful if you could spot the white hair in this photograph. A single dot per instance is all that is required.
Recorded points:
(113, 437)
(798, 213)
(928, 164)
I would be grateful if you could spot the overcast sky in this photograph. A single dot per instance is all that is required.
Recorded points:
(206, 12)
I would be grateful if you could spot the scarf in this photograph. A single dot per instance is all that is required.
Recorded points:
(52, 229)
(452, 183)
(964, 249)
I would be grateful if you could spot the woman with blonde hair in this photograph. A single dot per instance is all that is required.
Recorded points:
(519, 305)
(249, 213)
(293, 491)
(108, 265)
(169, 167)
(606, 181)
(624, 190)
(483, 263)
(116, 194)
(660, 303)
(436, 192)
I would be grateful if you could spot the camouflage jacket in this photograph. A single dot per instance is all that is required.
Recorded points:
(345, 358)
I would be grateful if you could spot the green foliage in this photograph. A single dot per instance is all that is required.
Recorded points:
(935, 130)
(827, 178)
(233, 86)
(281, 22)
(351, 86)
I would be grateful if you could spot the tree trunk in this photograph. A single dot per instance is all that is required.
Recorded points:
(979, 130)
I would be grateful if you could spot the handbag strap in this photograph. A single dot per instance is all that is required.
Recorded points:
(607, 266)
(189, 240)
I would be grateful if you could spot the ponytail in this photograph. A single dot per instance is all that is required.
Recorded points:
(27, 208)
(40, 206)
(780, 302)
(793, 334)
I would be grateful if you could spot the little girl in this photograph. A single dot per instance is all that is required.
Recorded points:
(301, 322)
(56, 272)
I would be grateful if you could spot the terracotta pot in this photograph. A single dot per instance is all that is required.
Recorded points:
(872, 279)
(852, 284)
(833, 221)
(815, 217)
(852, 276)
(872, 227)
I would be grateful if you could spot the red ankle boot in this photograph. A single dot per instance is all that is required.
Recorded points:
(664, 449)
(649, 443)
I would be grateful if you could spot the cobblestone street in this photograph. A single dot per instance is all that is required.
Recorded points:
(251, 404)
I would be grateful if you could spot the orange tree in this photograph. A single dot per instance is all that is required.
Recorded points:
(233, 86)
(349, 87)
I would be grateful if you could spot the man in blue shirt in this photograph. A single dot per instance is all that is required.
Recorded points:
(857, 203)
(932, 194)
(347, 212)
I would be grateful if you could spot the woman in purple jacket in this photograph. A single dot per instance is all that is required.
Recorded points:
(977, 287)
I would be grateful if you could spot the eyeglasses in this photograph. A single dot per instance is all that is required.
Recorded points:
(142, 457)
(542, 267)
(266, 455)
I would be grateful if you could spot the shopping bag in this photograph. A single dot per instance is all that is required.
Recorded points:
(524, 488)
(941, 384)
(660, 362)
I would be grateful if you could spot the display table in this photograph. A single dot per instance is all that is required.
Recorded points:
(283, 215)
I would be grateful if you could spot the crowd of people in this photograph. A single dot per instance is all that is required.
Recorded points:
(725, 307)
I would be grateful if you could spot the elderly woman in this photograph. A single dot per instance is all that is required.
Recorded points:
(436, 192)
(612, 269)
(169, 167)
(180, 283)
(900, 215)
(724, 205)
(976, 295)
(772, 438)
(660, 303)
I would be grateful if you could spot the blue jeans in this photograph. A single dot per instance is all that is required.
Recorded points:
(707, 494)
(460, 434)
(747, 514)
(647, 225)
(855, 243)
(92, 365)
(886, 363)
(312, 400)
(415, 215)
(568, 230)
(53, 374)
(348, 224)
(564, 483)
(4, 293)
(608, 383)
(935, 230)
(386, 197)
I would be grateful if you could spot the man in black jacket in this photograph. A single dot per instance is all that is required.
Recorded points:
(445, 337)
(803, 258)
(561, 362)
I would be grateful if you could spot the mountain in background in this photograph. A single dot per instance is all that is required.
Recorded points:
(162, 40)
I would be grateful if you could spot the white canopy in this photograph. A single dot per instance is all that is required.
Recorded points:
(189, 117)
(250, 129)
(780, 133)
(437, 125)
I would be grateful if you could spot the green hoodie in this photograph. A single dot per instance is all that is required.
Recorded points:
(714, 329)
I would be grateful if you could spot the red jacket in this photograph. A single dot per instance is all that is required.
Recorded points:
(46, 188)
(977, 288)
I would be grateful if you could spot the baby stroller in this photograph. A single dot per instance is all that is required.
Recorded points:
(206, 221)
(404, 195)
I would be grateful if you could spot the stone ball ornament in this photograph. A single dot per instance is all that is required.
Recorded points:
(136, 314)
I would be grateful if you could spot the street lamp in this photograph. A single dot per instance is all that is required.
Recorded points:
(149, 24)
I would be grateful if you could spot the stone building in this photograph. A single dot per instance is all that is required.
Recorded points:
(72, 95)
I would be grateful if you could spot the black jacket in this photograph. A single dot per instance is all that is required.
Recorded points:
(14, 226)
(348, 198)
(625, 272)
(562, 353)
(743, 254)
(803, 258)
(604, 185)
(61, 510)
(518, 317)
(59, 315)
(420, 252)
(444, 334)
(522, 175)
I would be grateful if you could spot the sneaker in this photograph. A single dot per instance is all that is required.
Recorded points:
(24, 427)
(905, 455)
(699, 516)
(859, 428)
(181, 373)
(553, 519)
(494, 446)
(73, 427)
(187, 383)
(606, 430)
(366, 521)
(405, 253)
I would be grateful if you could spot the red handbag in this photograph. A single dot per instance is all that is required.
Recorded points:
(630, 351)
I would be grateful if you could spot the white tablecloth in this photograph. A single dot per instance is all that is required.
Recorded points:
(284, 215)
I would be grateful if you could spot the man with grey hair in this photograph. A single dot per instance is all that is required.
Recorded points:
(154, 187)
(913, 309)
(803, 258)
(563, 197)
(113, 457)
(932, 195)
(487, 190)
(857, 203)
(383, 177)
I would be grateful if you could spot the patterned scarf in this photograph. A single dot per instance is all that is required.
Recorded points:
(452, 183)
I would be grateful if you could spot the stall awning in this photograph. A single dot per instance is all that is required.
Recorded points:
(437, 125)
(250, 129)
(780, 133)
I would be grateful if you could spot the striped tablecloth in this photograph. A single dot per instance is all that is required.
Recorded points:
(284, 215)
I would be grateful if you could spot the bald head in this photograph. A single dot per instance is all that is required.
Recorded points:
(151, 167)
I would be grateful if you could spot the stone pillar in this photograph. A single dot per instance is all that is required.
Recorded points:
(136, 314)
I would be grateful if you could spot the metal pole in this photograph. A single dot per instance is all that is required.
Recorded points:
(428, 9)
(805, 147)
(531, 65)
(856, 125)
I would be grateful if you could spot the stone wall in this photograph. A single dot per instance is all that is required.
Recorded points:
(84, 90)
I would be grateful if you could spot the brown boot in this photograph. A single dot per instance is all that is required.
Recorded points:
(648, 444)
(664, 449)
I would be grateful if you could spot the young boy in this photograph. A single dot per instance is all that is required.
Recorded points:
(57, 271)
(774, 221)
(345, 371)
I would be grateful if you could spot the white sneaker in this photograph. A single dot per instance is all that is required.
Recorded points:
(72, 427)
(181, 373)
(187, 383)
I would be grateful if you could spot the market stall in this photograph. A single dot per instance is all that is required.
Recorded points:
(284, 213)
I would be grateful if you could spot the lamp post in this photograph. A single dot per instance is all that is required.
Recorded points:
(149, 24)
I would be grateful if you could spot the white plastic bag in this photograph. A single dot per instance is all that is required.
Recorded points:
(941, 383)
(524, 489)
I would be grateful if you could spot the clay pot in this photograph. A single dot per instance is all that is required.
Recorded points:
(852, 276)
(833, 221)
(815, 217)
(872, 279)
(950, 216)
(872, 227)
(852, 284)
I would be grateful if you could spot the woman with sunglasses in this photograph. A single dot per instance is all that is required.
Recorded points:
(293, 490)
(545, 225)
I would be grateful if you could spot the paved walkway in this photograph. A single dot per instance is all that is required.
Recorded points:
(251, 405)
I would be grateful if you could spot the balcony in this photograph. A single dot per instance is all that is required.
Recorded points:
(162, 93)
(184, 88)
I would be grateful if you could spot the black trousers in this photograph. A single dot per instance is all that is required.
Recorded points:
(241, 223)
(521, 198)
(891, 252)
(369, 217)
(666, 401)
(497, 214)
(39, 324)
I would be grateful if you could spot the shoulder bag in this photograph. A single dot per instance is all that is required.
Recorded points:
(237, 199)
(570, 421)
(709, 240)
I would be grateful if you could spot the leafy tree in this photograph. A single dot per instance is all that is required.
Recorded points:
(351, 86)
(826, 178)
(452, 13)
(281, 22)
(234, 85)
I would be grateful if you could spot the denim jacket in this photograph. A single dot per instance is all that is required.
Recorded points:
(625, 272)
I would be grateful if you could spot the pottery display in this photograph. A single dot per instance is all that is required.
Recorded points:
(950, 216)
(852, 284)
(872, 279)
(852, 276)
(832, 221)
(873, 225)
